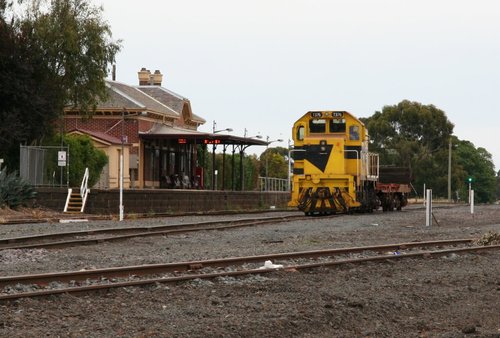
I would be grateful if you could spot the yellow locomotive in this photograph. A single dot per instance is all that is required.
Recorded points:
(333, 170)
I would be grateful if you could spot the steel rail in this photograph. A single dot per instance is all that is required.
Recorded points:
(75, 276)
(149, 269)
(131, 232)
(176, 279)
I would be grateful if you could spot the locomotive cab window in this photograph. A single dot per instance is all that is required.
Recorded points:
(300, 133)
(354, 133)
(317, 126)
(337, 126)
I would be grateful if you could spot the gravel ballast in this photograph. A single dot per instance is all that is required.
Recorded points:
(451, 296)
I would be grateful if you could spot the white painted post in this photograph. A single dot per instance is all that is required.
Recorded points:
(472, 201)
(121, 209)
(121, 186)
(428, 208)
(424, 194)
(288, 184)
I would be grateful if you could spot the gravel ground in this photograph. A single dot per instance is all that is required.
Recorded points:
(453, 296)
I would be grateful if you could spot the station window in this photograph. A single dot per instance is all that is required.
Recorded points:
(354, 133)
(317, 126)
(300, 133)
(337, 126)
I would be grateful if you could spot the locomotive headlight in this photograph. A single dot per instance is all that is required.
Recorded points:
(322, 144)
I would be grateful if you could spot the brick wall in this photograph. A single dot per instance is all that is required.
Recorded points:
(109, 125)
(145, 201)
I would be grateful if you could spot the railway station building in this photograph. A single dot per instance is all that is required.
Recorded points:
(157, 132)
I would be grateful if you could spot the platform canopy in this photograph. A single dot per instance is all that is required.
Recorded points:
(193, 136)
(181, 136)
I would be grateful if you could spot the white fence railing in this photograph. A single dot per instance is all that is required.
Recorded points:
(273, 184)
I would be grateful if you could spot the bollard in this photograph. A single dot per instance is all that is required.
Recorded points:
(428, 208)
(472, 201)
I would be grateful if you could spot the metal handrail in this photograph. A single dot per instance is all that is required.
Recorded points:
(68, 198)
(370, 168)
(83, 187)
(84, 191)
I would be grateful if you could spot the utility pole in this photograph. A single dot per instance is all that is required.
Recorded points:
(121, 168)
(449, 171)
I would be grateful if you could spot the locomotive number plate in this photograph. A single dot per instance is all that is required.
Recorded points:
(318, 114)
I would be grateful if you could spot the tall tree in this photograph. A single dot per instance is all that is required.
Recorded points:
(274, 161)
(498, 186)
(27, 93)
(478, 165)
(55, 54)
(411, 130)
(76, 44)
(413, 135)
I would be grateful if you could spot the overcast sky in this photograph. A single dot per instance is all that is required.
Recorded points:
(262, 64)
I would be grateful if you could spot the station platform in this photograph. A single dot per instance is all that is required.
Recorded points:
(166, 201)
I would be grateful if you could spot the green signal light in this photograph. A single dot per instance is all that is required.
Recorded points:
(470, 179)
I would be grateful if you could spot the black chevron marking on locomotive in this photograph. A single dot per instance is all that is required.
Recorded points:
(319, 158)
(298, 171)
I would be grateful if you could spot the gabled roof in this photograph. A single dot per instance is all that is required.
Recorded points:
(97, 135)
(156, 102)
(172, 100)
(125, 96)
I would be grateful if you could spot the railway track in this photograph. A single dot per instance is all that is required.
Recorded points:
(36, 285)
(96, 236)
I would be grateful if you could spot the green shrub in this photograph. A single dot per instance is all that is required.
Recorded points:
(82, 154)
(14, 191)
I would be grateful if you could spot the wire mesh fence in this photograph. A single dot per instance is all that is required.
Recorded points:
(45, 165)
